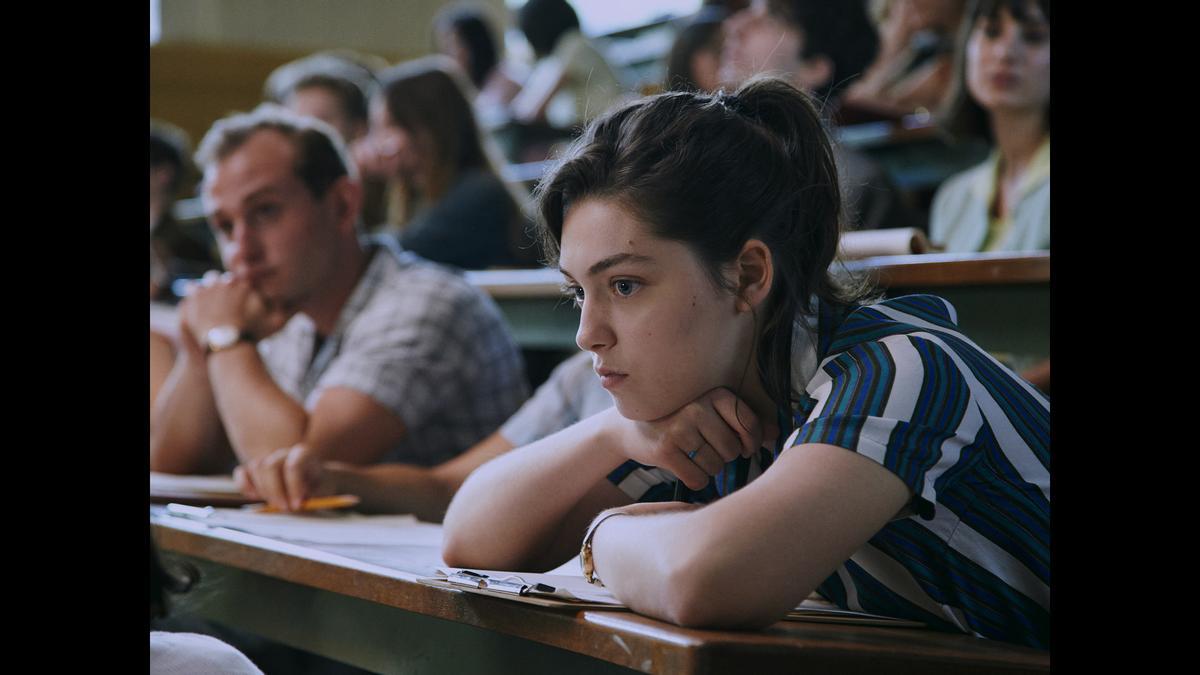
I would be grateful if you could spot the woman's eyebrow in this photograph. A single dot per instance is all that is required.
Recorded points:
(610, 261)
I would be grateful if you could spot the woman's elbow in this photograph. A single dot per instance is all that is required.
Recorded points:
(456, 547)
(454, 553)
(711, 609)
(463, 545)
(697, 599)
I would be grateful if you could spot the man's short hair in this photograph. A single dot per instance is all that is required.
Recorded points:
(351, 82)
(321, 157)
(840, 30)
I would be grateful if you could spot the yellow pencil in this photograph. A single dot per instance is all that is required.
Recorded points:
(315, 504)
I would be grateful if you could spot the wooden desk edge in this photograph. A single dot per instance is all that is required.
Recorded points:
(642, 639)
(926, 270)
(953, 269)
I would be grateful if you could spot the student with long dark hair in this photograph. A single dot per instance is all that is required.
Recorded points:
(1003, 94)
(868, 451)
(450, 205)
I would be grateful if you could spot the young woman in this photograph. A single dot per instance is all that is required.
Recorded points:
(450, 203)
(1004, 95)
(870, 452)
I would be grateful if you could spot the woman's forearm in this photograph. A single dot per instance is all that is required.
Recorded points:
(509, 511)
(681, 577)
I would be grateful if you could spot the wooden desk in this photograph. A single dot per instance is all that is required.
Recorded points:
(1002, 299)
(918, 157)
(379, 618)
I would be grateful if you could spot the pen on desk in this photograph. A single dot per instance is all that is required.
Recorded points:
(314, 504)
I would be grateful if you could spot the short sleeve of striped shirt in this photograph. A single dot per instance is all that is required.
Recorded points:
(897, 401)
(903, 387)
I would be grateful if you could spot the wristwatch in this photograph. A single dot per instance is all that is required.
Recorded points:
(585, 552)
(223, 337)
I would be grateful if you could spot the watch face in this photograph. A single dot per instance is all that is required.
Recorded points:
(222, 337)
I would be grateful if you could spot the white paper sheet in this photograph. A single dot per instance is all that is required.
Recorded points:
(328, 527)
(166, 482)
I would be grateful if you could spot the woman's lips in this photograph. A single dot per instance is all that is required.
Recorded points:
(1005, 80)
(610, 378)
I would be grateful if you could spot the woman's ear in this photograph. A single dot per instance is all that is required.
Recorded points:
(755, 272)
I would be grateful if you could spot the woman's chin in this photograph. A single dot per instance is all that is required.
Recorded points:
(642, 411)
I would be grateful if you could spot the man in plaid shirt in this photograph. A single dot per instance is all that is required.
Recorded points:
(316, 341)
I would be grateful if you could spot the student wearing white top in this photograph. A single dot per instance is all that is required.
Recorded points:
(1004, 93)
(571, 82)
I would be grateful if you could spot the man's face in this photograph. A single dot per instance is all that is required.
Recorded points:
(757, 42)
(271, 230)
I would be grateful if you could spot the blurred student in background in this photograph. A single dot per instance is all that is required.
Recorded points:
(694, 62)
(1003, 94)
(361, 351)
(452, 206)
(464, 33)
(175, 250)
(572, 393)
(915, 66)
(571, 82)
(819, 47)
(335, 87)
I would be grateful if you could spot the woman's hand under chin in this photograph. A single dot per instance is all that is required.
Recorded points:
(696, 441)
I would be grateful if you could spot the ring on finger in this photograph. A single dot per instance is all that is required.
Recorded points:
(692, 454)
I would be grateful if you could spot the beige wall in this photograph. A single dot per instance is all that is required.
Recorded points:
(395, 27)
(213, 55)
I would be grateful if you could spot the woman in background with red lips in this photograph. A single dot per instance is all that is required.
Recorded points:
(1004, 95)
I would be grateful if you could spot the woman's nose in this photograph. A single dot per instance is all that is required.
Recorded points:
(594, 332)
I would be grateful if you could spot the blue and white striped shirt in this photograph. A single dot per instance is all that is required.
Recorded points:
(898, 383)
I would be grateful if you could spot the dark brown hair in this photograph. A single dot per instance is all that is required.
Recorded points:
(714, 171)
(470, 26)
(545, 21)
(169, 147)
(839, 30)
(701, 34)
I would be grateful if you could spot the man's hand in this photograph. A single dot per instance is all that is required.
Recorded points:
(222, 299)
(285, 478)
(696, 441)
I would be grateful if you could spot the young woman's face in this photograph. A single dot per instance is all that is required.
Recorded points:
(1008, 63)
(757, 42)
(394, 146)
(661, 333)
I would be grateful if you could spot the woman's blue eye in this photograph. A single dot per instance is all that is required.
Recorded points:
(625, 286)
